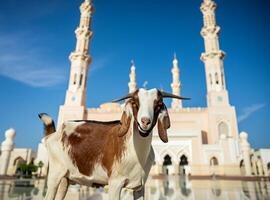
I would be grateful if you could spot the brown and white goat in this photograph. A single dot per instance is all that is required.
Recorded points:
(117, 153)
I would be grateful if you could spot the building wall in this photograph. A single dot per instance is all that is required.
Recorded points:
(17, 154)
(185, 138)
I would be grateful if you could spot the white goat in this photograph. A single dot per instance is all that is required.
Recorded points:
(117, 153)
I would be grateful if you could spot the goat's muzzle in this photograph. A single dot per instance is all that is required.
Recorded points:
(142, 131)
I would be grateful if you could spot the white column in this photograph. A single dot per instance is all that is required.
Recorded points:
(260, 167)
(176, 167)
(245, 149)
(6, 148)
(254, 165)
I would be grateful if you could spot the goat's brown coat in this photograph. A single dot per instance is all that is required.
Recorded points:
(95, 142)
(49, 129)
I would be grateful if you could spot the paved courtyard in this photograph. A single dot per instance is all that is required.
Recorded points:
(172, 187)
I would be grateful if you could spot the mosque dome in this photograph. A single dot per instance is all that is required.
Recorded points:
(243, 135)
(10, 134)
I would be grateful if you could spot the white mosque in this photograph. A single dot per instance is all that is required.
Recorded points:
(202, 141)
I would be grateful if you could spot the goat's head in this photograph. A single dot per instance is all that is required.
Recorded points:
(147, 108)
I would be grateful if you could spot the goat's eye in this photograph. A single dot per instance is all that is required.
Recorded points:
(159, 105)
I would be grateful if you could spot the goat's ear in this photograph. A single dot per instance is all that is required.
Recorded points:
(163, 124)
(125, 123)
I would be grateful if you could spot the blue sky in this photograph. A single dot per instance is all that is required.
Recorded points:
(36, 38)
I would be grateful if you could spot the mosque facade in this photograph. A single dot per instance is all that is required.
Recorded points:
(202, 141)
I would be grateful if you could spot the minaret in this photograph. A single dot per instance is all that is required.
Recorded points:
(75, 102)
(213, 57)
(132, 85)
(6, 149)
(176, 85)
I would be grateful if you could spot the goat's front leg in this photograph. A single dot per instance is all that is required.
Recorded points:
(115, 187)
(62, 189)
(139, 194)
(54, 180)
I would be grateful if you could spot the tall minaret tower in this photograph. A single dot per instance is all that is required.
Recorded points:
(75, 102)
(132, 85)
(213, 57)
(176, 85)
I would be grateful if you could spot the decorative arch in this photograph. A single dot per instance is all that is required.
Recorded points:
(216, 78)
(268, 168)
(222, 80)
(18, 160)
(81, 80)
(167, 164)
(165, 152)
(242, 167)
(183, 164)
(213, 161)
(183, 152)
(74, 79)
(16, 163)
(204, 137)
(183, 160)
(167, 160)
(210, 79)
(223, 129)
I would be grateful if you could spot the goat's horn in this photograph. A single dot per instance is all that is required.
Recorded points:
(123, 98)
(168, 95)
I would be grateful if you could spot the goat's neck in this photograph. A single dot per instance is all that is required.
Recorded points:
(142, 145)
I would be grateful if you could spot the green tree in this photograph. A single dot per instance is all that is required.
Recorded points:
(40, 165)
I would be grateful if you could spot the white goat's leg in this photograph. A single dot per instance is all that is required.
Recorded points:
(62, 189)
(139, 194)
(54, 179)
(115, 188)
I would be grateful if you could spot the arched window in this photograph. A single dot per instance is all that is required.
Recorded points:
(81, 79)
(183, 160)
(204, 137)
(216, 77)
(182, 164)
(223, 129)
(74, 79)
(213, 161)
(167, 160)
(242, 168)
(242, 164)
(222, 80)
(210, 79)
(18, 160)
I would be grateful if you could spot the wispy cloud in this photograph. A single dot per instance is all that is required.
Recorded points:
(32, 76)
(20, 60)
(248, 111)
